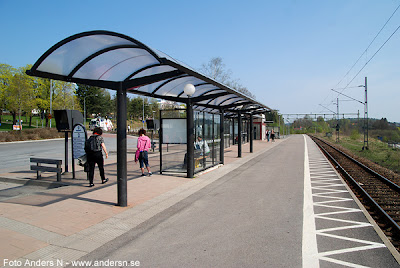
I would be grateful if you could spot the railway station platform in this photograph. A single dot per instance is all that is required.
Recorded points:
(282, 206)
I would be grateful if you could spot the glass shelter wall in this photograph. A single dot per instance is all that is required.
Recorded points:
(173, 141)
(207, 140)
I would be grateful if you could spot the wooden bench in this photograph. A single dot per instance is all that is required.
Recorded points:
(198, 160)
(39, 168)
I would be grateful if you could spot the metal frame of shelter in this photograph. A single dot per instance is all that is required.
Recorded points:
(119, 62)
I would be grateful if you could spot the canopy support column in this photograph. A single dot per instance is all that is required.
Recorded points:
(251, 133)
(222, 136)
(121, 146)
(239, 134)
(190, 139)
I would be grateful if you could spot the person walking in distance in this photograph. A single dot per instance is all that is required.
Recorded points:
(94, 148)
(143, 145)
(272, 135)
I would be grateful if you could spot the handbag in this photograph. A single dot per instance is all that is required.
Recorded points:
(82, 160)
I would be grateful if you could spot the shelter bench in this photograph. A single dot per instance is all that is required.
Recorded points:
(39, 168)
(198, 160)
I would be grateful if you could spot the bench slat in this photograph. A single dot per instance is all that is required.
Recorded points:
(46, 161)
(46, 169)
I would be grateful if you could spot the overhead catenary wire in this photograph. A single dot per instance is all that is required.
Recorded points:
(372, 57)
(365, 51)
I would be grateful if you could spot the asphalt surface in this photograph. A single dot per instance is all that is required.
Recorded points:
(236, 221)
(15, 156)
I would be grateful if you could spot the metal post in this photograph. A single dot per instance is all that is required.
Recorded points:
(190, 139)
(66, 152)
(143, 114)
(251, 133)
(84, 111)
(213, 141)
(337, 126)
(51, 101)
(222, 135)
(239, 134)
(121, 147)
(160, 141)
(233, 131)
(366, 117)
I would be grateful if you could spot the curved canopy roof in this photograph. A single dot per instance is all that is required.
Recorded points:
(111, 60)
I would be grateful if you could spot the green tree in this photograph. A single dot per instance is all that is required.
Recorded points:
(6, 74)
(135, 108)
(64, 96)
(19, 94)
(97, 100)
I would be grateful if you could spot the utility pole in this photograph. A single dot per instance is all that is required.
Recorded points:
(337, 126)
(51, 99)
(365, 117)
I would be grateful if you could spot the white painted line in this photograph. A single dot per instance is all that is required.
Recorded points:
(344, 263)
(309, 246)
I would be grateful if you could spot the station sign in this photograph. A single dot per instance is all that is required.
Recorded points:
(79, 137)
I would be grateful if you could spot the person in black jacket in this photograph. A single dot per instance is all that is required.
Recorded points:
(94, 147)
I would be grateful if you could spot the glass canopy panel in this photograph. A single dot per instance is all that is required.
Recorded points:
(65, 58)
(175, 87)
(116, 65)
(154, 70)
(148, 88)
(218, 100)
(203, 89)
(234, 100)
(163, 55)
(215, 91)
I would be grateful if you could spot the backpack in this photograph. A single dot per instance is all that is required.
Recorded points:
(91, 145)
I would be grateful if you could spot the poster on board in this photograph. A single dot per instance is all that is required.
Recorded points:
(78, 141)
(174, 131)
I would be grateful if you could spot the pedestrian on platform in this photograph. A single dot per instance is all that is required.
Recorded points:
(94, 147)
(141, 155)
(267, 133)
(272, 135)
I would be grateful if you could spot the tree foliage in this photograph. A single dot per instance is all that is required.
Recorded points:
(96, 100)
(21, 94)
(136, 108)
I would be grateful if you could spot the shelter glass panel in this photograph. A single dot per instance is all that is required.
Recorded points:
(175, 86)
(173, 142)
(154, 70)
(74, 52)
(148, 88)
(115, 65)
(217, 139)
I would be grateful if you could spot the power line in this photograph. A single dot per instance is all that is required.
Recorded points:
(373, 56)
(365, 51)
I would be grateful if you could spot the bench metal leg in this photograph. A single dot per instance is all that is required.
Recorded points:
(59, 173)
(38, 172)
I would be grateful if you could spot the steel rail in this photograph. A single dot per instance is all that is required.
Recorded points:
(358, 187)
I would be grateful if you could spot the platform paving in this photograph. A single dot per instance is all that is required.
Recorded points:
(61, 225)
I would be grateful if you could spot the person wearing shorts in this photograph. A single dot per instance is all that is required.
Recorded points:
(143, 145)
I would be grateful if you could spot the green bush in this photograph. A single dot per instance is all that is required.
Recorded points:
(30, 134)
(355, 135)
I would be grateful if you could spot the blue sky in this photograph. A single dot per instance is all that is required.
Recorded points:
(289, 53)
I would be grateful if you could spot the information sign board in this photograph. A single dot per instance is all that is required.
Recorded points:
(78, 140)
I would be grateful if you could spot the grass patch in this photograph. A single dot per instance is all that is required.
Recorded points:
(379, 152)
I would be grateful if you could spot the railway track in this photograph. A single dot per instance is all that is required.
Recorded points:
(379, 195)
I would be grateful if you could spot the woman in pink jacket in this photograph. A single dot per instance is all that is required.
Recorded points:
(143, 145)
